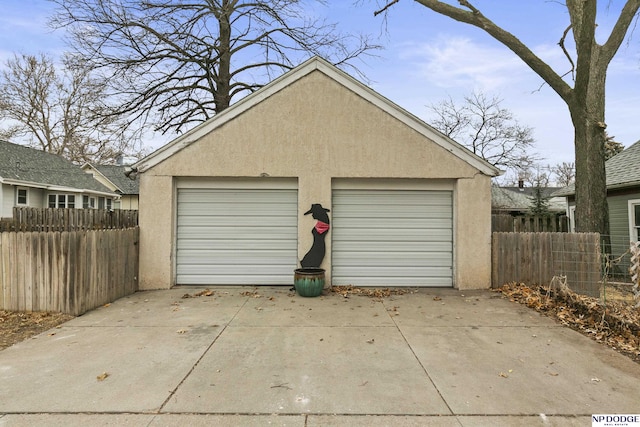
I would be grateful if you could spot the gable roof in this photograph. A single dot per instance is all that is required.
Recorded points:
(116, 175)
(24, 166)
(309, 66)
(623, 170)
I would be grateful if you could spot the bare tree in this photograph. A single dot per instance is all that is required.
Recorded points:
(530, 176)
(60, 111)
(586, 99)
(487, 129)
(564, 173)
(176, 63)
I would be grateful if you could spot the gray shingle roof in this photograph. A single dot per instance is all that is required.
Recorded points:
(115, 174)
(519, 199)
(29, 165)
(623, 170)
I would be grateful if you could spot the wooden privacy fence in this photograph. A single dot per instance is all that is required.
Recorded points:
(529, 223)
(70, 272)
(535, 258)
(65, 219)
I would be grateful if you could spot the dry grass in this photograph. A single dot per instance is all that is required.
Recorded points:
(19, 326)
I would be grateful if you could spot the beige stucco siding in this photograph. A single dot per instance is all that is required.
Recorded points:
(156, 232)
(472, 228)
(315, 130)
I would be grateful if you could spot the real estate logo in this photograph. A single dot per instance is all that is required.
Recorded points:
(615, 420)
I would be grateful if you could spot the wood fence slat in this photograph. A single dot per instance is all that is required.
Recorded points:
(69, 271)
(4, 269)
(67, 219)
(529, 223)
(535, 258)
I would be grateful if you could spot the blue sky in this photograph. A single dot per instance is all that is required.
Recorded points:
(429, 58)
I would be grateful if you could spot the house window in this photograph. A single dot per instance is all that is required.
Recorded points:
(634, 220)
(88, 202)
(62, 201)
(22, 197)
(572, 219)
(109, 204)
(100, 202)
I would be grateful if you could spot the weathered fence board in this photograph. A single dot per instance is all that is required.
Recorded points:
(70, 272)
(64, 219)
(529, 223)
(535, 258)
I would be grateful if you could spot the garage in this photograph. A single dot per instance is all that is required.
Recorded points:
(236, 233)
(392, 237)
(225, 203)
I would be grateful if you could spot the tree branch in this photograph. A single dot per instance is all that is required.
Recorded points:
(385, 8)
(566, 53)
(474, 17)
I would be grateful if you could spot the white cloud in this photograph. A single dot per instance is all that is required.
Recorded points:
(455, 62)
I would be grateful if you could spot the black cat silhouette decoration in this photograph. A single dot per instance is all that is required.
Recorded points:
(314, 257)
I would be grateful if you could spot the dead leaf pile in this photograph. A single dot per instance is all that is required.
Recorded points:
(18, 326)
(347, 290)
(204, 293)
(616, 324)
(252, 294)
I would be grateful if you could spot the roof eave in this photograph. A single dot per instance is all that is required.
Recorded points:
(623, 185)
(53, 187)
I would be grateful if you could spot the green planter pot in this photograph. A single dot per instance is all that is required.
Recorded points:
(309, 282)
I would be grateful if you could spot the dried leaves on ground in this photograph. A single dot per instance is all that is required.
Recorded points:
(18, 326)
(347, 290)
(613, 323)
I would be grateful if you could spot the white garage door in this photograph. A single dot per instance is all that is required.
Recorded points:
(236, 236)
(392, 238)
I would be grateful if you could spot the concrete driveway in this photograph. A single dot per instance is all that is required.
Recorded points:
(257, 356)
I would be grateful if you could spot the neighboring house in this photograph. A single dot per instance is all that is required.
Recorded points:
(225, 203)
(518, 200)
(623, 198)
(113, 177)
(34, 178)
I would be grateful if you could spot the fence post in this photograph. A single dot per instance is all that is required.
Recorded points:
(634, 269)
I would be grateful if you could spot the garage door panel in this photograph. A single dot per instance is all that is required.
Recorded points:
(392, 237)
(388, 197)
(365, 281)
(236, 244)
(236, 236)
(402, 259)
(254, 278)
(399, 271)
(268, 211)
(428, 221)
(255, 233)
(207, 219)
(432, 246)
(235, 196)
(234, 257)
(381, 235)
(391, 211)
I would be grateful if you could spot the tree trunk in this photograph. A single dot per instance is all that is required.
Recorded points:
(587, 106)
(587, 115)
(221, 95)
